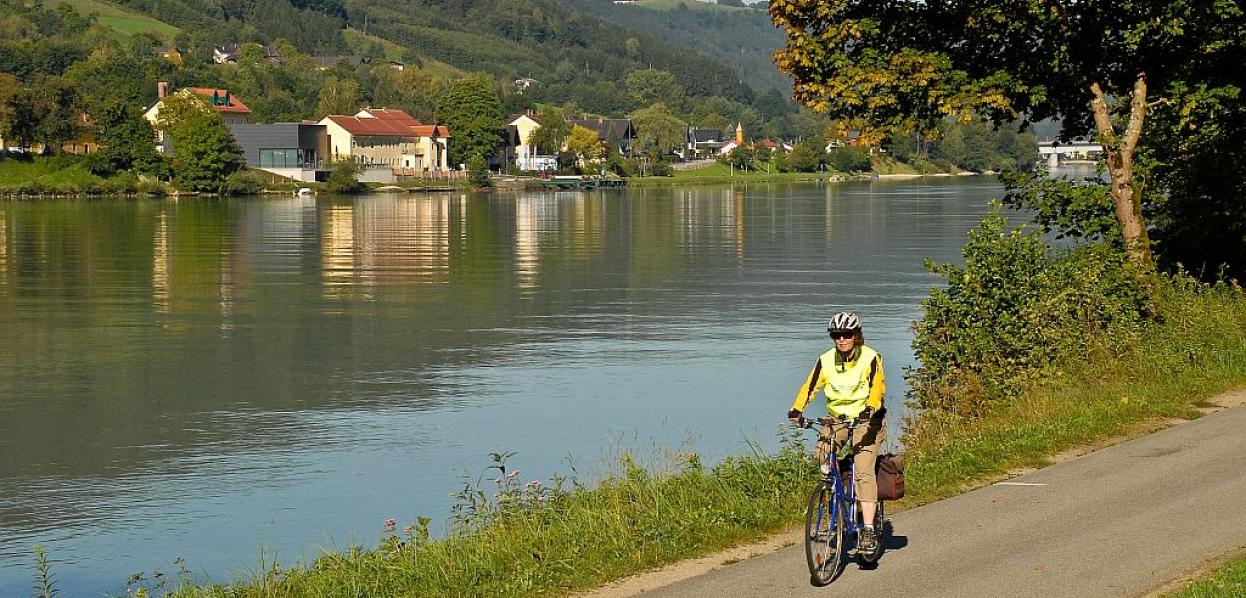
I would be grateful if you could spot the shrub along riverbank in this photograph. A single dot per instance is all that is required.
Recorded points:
(1027, 351)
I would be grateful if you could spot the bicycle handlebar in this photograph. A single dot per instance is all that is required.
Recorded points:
(806, 423)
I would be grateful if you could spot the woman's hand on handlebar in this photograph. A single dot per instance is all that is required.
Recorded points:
(795, 416)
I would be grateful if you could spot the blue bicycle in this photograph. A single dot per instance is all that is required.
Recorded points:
(833, 517)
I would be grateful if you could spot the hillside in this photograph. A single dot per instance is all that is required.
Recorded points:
(582, 58)
(583, 55)
(744, 39)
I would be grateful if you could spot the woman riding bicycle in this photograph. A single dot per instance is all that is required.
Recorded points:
(851, 376)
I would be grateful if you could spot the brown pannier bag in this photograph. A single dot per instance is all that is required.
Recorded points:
(889, 469)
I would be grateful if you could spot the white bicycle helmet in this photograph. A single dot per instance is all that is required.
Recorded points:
(844, 320)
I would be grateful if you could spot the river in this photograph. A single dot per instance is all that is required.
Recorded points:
(221, 380)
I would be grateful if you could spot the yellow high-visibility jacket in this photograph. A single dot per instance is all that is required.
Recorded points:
(849, 385)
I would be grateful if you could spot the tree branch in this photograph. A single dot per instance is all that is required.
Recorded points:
(1137, 114)
(1103, 121)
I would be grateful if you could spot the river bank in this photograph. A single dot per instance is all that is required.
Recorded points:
(571, 537)
(64, 177)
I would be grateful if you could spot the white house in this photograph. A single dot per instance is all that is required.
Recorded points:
(231, 109)
(387, 140)
(526, 157)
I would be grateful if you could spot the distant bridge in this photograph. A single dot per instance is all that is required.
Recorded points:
(1080, 150)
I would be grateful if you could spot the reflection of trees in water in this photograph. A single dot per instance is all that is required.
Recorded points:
(155, 335)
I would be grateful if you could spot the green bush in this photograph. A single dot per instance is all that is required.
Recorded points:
(243, 182)
(1015, 312)
(661, 169)
(343, 178)
(478, 171)
(849, 159)
(150, 187)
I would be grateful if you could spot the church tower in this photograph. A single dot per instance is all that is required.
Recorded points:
(739, 133)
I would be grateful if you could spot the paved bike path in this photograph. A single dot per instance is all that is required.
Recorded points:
(1121, 521)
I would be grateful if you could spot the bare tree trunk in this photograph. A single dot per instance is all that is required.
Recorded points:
(1120, 157)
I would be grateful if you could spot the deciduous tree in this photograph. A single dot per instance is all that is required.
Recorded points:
(472, 110)
(893, 67)
(649, 86)
(204, 152)
(553, 132)
(584, 143)
(658, 128)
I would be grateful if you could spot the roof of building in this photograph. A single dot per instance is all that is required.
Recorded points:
(389, 114)
(431, 131)
(706, 135)
(620, 128)
(356, 125)
(534, 117)
(221, 100)
(387, 127)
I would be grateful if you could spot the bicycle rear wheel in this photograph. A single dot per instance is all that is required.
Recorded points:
(824, 535)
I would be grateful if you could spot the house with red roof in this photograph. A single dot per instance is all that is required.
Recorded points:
(231, 109)
(385, 139)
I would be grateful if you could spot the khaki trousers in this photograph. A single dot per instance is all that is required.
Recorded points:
(866, 440)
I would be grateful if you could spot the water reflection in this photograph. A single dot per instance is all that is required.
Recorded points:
(200, 378)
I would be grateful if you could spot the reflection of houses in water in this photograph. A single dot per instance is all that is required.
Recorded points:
(337, 250)
(193, 261)
(160, 264)
(385, 241)
(585, 223)
(4, 255)
(716, 214)
(572, 224)
(528, 210)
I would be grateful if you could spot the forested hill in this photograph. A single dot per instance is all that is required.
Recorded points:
(577, 56)
(742, 38)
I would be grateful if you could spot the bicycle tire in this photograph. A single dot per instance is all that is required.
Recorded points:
(824, 535)
(880, 529)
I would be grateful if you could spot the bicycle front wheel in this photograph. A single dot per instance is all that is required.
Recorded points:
(824, 535)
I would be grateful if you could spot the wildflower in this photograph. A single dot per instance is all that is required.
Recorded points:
(512, 475)
(409, 530)
(533, 486)
(390, 524)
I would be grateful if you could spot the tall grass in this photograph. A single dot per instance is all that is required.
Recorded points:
(514, 539)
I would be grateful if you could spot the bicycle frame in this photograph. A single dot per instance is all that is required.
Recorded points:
(845, 498)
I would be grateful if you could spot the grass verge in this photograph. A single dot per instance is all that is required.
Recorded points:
(65, 174)
(523, 540)
(1226, 581)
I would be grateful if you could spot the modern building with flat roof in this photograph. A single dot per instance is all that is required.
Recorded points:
(299, 151)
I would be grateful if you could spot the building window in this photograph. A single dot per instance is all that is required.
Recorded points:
(279, 158)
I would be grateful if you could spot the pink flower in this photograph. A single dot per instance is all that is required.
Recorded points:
(533, 485)
(390, 524)
(512, 475)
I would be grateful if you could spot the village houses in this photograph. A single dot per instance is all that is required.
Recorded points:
(388, 143)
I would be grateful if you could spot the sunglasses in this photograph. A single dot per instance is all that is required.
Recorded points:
(842, 334)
